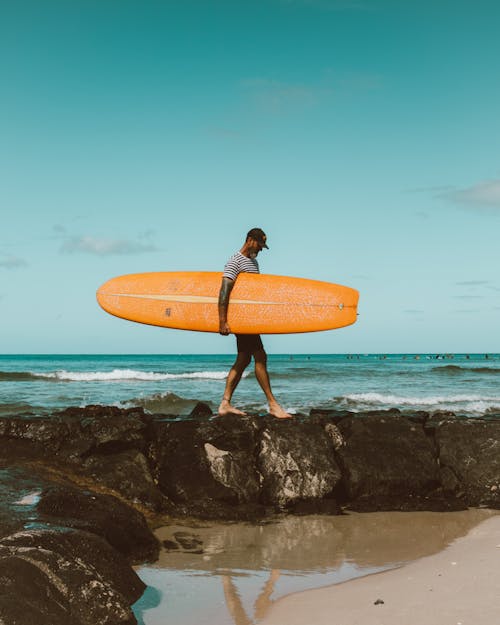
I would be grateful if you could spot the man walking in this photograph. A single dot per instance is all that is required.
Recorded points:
(248, 344)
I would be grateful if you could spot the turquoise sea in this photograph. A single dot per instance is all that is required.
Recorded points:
(467, 384)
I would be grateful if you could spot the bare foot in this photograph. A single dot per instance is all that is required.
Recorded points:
(277, 411)
(226, 408)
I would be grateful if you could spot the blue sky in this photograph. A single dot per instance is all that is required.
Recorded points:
(362, 136)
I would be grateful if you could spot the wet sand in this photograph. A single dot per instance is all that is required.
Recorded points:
(242, 573)
(458, 586)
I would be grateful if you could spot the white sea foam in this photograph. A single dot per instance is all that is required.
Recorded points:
(470, 404)
(29, 500)
(129, 374)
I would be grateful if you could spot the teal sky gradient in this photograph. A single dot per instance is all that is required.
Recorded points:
(362, 136)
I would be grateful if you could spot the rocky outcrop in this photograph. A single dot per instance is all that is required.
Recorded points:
(387, 462)
(121, 526)
(469, 456)
(103, 443)
(246, 467)
(63, 576)
(297, 464)
(66, 552)
(75, 486)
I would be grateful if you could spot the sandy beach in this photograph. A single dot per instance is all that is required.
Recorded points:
(241, 573)
(458, 586)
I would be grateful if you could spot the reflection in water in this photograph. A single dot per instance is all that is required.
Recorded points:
(240, 569)
(149, 600)
(262, 603)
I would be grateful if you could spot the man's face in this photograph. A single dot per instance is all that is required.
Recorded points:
(257, 246)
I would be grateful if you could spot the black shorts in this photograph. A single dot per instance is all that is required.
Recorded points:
(249, 343)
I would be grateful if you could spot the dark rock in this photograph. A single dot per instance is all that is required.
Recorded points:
(79, 574)
(419, 416)
(386, 458)
(27, 596)
(469, 455)
(105, 430)
(75, 433)
(201, 410)
(103, 443)
(207, 466)
(296, 463)
(128, 474)
(188, 541)
(123, 527)
(19, 490)
(316, 506)
(245, 467)
(320, 416)
(170, 545)
(436, 419)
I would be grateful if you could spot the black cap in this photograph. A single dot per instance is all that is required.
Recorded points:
(257, 234)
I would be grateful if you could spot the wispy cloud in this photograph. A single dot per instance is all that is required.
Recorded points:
(274, 96)
(106, 247)
(468, 296)
(472, 283)
(474, 286)
(485, 194)
(12, 262)
(277, 97)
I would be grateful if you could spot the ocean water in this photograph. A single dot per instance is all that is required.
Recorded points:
(467, 384)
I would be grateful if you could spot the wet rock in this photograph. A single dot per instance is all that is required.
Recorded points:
(65, 576)
(188, 541)
(19, 490)
(100, 442)
(231, 469)
(335, 435)
(245, 467)
(469, 455)
(386, 460)
(127, 473)
(316, 506)
(123, 527)
(105, 430)
(321, 416)
(201, 410)
(207, 466)
(296, 463)
(75, 433)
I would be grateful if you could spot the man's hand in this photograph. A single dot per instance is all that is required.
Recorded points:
(224, 328)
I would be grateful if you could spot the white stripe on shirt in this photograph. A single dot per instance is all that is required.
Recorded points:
(238, 263)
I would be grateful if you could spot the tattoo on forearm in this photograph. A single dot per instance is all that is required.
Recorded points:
(224, 292)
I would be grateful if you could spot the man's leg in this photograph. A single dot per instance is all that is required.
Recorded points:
(234, 376)
(262, 376)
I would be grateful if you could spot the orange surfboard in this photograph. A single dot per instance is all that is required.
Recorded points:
(259, 303)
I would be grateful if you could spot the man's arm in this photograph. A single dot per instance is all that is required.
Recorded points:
(224, 293)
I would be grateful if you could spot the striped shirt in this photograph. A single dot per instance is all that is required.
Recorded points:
(238, 263)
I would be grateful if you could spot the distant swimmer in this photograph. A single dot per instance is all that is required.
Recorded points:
(248, 345)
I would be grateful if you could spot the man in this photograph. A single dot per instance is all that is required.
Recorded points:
(248, 344)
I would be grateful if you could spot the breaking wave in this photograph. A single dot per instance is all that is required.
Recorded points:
(457, 369)
(473, 405)
(163, 403)
(116, 375)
